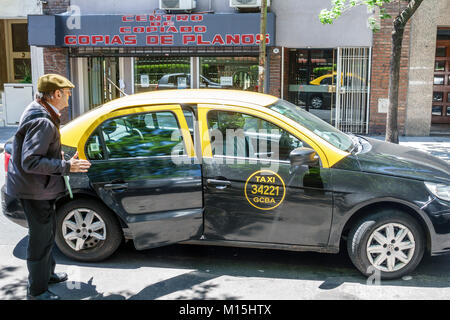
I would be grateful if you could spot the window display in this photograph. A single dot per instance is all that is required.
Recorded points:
(240, 73)
(159, 73)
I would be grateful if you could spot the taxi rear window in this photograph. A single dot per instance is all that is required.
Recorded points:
(136, 135)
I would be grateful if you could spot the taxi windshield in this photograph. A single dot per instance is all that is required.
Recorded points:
(321, 128)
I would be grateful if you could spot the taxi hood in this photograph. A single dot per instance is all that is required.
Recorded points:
(397, 160)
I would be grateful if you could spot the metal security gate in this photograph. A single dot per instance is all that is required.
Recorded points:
(351, 112)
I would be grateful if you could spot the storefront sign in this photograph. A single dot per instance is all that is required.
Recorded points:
(150, 30)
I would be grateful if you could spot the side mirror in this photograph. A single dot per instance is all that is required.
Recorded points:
(303, 156)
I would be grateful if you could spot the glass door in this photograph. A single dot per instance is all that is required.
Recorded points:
(103, 76)
(312, 80)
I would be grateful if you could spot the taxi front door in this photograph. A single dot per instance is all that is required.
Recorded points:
(252, 194)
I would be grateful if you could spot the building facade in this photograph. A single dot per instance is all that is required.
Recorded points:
(424, 103)
(338, 72)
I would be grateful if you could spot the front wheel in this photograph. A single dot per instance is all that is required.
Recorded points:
(86, 230)
(389, 242)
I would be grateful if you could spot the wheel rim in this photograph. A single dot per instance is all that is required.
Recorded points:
(83, 229)
(316, 102)
(391, 247)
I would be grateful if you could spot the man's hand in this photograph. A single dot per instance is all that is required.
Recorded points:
(77, 165)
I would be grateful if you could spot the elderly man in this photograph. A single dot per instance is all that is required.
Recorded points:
(35, 176)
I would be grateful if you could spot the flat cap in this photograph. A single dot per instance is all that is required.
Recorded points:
(51, 82)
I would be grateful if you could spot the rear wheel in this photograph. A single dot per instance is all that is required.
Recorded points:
(389, 242)
(86, 230)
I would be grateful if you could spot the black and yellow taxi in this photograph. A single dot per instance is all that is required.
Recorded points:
(236, 168)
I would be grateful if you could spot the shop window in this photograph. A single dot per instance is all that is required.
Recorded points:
(443, 34)
(439, 66)
(438, 80)
(436, 111)
(440, 52)
(438, 96)
(159, 73)
(239, 73)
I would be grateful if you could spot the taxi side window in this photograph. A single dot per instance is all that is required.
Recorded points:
(237, 134)
(141, 135)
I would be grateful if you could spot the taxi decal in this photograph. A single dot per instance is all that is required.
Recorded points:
(265, 190)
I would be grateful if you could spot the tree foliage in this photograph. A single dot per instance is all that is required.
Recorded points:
(341, 6)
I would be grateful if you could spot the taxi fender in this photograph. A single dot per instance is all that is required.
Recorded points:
(369, 206)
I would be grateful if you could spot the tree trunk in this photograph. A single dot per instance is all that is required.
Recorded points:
(394, 72)
(394, 77)
(262, 47)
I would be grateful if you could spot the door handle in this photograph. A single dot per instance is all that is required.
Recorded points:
(115, 186)
(219, 184)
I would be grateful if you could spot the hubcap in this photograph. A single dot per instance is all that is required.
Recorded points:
(316, 102)
(83, 229)
(391, 247)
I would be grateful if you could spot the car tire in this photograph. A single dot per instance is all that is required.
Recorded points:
(372, 250)
(316, 102)
(103, 232)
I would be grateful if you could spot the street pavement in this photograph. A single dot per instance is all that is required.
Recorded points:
(201, 272)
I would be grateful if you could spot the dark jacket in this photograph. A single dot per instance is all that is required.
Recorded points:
(36, 168)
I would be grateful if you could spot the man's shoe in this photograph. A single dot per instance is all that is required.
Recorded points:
(47, 295)
(58, 277)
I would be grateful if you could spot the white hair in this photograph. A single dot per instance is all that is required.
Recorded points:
(44, 95)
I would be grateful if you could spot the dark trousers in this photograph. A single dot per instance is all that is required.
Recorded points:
(41, 218)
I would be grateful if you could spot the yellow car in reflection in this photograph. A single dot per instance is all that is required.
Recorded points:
(321, 98)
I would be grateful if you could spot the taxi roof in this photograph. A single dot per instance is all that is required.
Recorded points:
(73, 132)
(187, 96)
(206, 95)
(161, 97)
